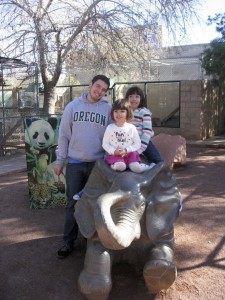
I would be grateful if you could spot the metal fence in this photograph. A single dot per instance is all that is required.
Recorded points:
(163, 100)
(161, 83)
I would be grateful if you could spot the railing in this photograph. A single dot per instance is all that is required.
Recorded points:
(161, 97)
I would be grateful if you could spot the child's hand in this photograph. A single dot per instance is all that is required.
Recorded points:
(120, 151)
(123, 152)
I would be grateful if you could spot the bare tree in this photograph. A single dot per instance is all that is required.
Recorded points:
(89, 31)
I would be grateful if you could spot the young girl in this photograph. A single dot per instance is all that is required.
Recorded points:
(142, 120)
(121, 140)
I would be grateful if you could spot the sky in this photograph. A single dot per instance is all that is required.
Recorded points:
(200, 33)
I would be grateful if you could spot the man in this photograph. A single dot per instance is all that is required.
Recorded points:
(82, 127)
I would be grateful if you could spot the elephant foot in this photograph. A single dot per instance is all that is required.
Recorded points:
(159, 275)
(94, 286)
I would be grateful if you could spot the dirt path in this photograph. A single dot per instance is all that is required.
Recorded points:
(30, 269)
(200, 230)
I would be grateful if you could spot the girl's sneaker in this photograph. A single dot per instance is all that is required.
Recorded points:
(152, 165)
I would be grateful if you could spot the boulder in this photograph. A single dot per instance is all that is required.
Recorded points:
(172, 148)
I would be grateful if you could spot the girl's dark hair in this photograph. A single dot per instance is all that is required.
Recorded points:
(136, 90)
(122, 104)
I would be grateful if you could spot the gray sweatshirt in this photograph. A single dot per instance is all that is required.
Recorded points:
(81, 130)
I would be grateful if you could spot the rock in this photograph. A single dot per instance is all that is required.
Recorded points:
(172, 148)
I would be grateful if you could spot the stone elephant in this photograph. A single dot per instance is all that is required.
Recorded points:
(128, 217)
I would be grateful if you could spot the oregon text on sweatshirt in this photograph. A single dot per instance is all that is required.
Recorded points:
(81, 131)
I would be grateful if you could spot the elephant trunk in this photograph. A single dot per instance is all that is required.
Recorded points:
(117, 224)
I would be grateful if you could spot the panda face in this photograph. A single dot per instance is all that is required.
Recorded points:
(40, 134)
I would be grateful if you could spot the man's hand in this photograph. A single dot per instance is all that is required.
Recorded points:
(57, 169)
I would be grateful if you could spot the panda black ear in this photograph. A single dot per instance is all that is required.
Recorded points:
(27, 121)
(53, 122)
(30, 120)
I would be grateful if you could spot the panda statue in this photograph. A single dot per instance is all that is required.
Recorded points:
(39, 133)
(41, 136)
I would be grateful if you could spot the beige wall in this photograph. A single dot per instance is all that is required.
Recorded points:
(202, 111)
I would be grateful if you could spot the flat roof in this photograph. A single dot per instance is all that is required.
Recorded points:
(7, 63)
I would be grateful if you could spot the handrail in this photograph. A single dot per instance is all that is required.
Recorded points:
(163, 121)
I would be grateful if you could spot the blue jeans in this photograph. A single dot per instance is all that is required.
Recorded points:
(152, 154)
(76, 177)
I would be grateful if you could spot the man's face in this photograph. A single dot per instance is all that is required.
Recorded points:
(97, 90)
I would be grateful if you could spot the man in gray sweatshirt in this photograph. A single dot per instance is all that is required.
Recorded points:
(82, 127)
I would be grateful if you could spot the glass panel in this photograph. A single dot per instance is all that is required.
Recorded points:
(6, 98)
(164, 102)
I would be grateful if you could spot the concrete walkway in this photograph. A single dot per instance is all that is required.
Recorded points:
(216, 141)
(13, 164)
(17, 163)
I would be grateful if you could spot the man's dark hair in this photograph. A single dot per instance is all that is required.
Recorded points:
(138, 91)
(101, 77)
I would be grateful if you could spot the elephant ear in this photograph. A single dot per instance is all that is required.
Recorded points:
(163, 204)
(99, 183)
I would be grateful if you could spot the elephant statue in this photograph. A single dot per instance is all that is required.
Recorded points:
(128, 217)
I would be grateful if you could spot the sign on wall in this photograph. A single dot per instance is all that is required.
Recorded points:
(46, 189)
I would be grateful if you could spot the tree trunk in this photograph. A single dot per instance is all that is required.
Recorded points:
(49, 99)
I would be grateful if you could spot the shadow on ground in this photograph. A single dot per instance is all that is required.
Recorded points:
(31, 270)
